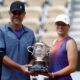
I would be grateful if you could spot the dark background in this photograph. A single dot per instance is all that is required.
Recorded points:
(78, 67)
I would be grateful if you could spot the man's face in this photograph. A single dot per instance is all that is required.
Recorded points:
(17, 17)
(62, 28)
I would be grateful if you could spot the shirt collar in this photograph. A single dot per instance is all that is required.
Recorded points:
(23, 27)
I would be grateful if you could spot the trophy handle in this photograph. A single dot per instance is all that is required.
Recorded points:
(29, 49)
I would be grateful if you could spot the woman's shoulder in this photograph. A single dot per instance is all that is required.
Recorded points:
(54, 41)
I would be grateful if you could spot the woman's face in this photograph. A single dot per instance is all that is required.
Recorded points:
(62, 28)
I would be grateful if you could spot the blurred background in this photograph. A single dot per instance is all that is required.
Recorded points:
(40, 16)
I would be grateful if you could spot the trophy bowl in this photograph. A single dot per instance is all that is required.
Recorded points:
(40, 51)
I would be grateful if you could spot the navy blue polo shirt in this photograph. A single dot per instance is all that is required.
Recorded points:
(16, 49)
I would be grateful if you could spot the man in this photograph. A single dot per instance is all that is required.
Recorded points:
(15, 38)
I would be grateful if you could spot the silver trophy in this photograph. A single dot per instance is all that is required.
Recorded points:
(40, 51)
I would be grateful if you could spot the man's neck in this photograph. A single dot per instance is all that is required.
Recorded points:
(16, 27)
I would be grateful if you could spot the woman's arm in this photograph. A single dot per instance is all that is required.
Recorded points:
(72, 55)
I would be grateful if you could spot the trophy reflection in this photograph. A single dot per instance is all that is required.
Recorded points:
(40, 51)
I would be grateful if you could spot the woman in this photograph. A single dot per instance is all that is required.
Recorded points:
(63, 56)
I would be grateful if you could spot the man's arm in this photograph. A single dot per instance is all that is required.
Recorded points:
(10, 63)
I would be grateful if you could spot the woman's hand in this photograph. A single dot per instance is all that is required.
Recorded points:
(51, 75)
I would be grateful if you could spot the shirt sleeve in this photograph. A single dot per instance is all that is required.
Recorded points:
(2, 46)
(31, 57)
(34, 40)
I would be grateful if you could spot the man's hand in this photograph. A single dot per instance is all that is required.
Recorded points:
(24, 68)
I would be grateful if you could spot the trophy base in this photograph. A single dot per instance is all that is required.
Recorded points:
(39, 67)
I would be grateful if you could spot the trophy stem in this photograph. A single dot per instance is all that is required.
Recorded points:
(39, 59)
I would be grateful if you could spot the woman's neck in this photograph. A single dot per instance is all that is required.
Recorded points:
(61, 37)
